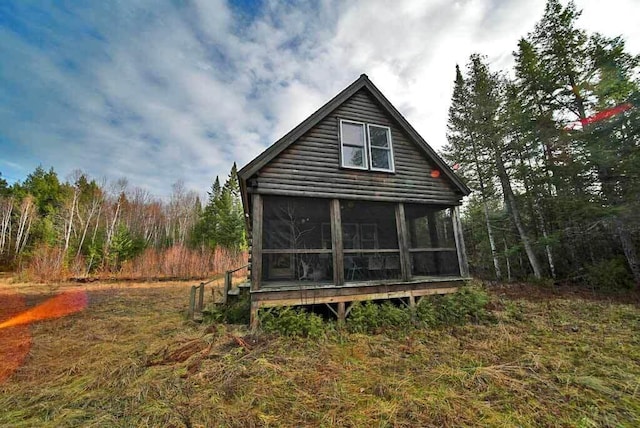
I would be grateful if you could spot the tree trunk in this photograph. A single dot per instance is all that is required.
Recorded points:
(22, 234)
(512, 207)
(547, 247)
(506, 258)
(492, 242)
(5, 225)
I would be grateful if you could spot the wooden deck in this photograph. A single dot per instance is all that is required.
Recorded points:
(295, 294)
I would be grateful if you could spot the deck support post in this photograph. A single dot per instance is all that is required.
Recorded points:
(412, 301)
(336, 243)
(342, 313)
(254, 322)
(403, 242)
(457, 233)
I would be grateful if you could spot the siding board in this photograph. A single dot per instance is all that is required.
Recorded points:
(311, 165)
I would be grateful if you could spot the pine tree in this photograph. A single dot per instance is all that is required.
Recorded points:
(222, 219)
(463, 150)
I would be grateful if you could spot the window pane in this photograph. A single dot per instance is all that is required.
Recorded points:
(378, 136)
(429, 227)
(380, 158)
(352, 134)
(353, 156)
(368, 225)
(436, 263)
(300, 269)
(296, 223)
(371, 266)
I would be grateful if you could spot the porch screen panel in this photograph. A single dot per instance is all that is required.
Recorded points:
(370, 241)
(296, 240)
(431, 241)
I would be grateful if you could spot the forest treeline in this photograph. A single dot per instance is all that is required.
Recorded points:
(551, 150)
(52, 229)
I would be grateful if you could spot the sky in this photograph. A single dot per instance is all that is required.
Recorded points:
(162, 91)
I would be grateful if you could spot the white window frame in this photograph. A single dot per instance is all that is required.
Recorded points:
(368, 159)
(391, 163)
(365, 156)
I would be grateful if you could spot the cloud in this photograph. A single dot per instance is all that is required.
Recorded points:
(161, 91)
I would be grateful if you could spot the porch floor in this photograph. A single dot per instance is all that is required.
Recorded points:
(275, 286)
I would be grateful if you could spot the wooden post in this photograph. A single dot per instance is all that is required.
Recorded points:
(201, 297)
(192, 302)
(254, 322)
(256, 242)
(457, 232)
(412, 301)
(227, 287)
(336, 243)
(403, 242)
(342, 316)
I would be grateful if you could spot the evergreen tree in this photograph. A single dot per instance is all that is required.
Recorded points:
(230, 232)
(4, 187)
(222, 219)
(463, 149)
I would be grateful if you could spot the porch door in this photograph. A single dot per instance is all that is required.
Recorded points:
(281, 266)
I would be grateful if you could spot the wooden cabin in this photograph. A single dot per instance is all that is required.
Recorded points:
(352, 205)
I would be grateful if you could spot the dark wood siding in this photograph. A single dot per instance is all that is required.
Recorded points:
(311, 165)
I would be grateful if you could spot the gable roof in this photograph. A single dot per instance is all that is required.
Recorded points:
(362, 82)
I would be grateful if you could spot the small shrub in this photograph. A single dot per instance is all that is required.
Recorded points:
(293, 322)
(426, 313)
(514, 311)
(236, 312)
(610, 275)
(468, 304)
(363, 317)
(371, 317)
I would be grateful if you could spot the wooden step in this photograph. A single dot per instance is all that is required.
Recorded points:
(240, 289)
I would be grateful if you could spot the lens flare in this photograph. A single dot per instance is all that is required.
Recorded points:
(15, 337)
(15, 342)
(58, 306)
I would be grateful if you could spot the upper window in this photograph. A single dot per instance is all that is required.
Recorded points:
(353, 145)
(366, 150)
(380, 148)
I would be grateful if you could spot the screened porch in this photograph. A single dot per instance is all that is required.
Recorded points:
(312, 242)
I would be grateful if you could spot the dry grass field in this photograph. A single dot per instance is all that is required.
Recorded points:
(129, 358)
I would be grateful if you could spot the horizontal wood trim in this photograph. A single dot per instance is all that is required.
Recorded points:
(371, 251)
(353, 292)
(383, 184)
(427, 250)
(374, 198)
(412, 172)
(304, 300)
(364, 193)
(295, 251)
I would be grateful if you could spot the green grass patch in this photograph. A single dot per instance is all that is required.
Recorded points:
(546, 358)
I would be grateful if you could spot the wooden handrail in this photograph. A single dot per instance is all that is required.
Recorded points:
(228, 278)
(237, 269)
